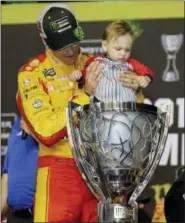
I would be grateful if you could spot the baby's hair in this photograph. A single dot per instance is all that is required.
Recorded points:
(120, 28)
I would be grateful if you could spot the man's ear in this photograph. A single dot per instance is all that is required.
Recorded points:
(104, 45)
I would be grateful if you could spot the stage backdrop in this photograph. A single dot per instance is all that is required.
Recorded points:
(160, 47)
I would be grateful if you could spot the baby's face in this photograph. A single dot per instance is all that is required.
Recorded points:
(119, 49)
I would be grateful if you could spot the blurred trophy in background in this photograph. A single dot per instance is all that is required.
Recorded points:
(117, 147)
(171, 45)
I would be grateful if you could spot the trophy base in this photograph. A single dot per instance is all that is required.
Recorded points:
(116, 213)
(170, 76)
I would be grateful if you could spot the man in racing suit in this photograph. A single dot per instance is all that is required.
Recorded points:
(43, 94)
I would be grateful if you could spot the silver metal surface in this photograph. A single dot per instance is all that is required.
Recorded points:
(117, 147)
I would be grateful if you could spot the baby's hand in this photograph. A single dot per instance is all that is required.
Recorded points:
(75, 75)
(144, 81)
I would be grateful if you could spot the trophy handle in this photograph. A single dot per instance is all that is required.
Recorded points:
(163, 42)
(180, 42)
(82, 165)
(164, 113)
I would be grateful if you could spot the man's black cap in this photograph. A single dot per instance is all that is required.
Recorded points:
(59, 27)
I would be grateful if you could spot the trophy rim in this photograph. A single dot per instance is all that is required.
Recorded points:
(123, 106)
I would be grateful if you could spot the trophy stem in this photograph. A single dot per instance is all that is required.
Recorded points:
(171, 73)
(117, 213)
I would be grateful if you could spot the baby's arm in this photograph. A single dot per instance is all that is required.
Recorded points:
(145, 74)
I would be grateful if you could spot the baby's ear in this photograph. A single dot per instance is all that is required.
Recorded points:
(104, 45)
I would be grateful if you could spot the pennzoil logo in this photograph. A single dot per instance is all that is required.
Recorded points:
(49, 72)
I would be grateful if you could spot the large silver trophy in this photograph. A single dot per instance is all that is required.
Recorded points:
(117, 147)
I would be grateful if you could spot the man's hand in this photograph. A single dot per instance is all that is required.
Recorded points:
(93, 75)
(4, 195)
(144, 81)
(75, 75)
(129, 79)
(24, 127)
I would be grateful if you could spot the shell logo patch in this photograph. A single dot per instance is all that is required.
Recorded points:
(37, 103)
(34, 63)
(27, 81)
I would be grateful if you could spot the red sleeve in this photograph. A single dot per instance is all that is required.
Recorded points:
(141, 69)
(89, 61)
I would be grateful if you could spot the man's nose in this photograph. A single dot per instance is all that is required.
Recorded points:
(70, 51)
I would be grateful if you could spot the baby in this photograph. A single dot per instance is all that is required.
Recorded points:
(118, 38)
